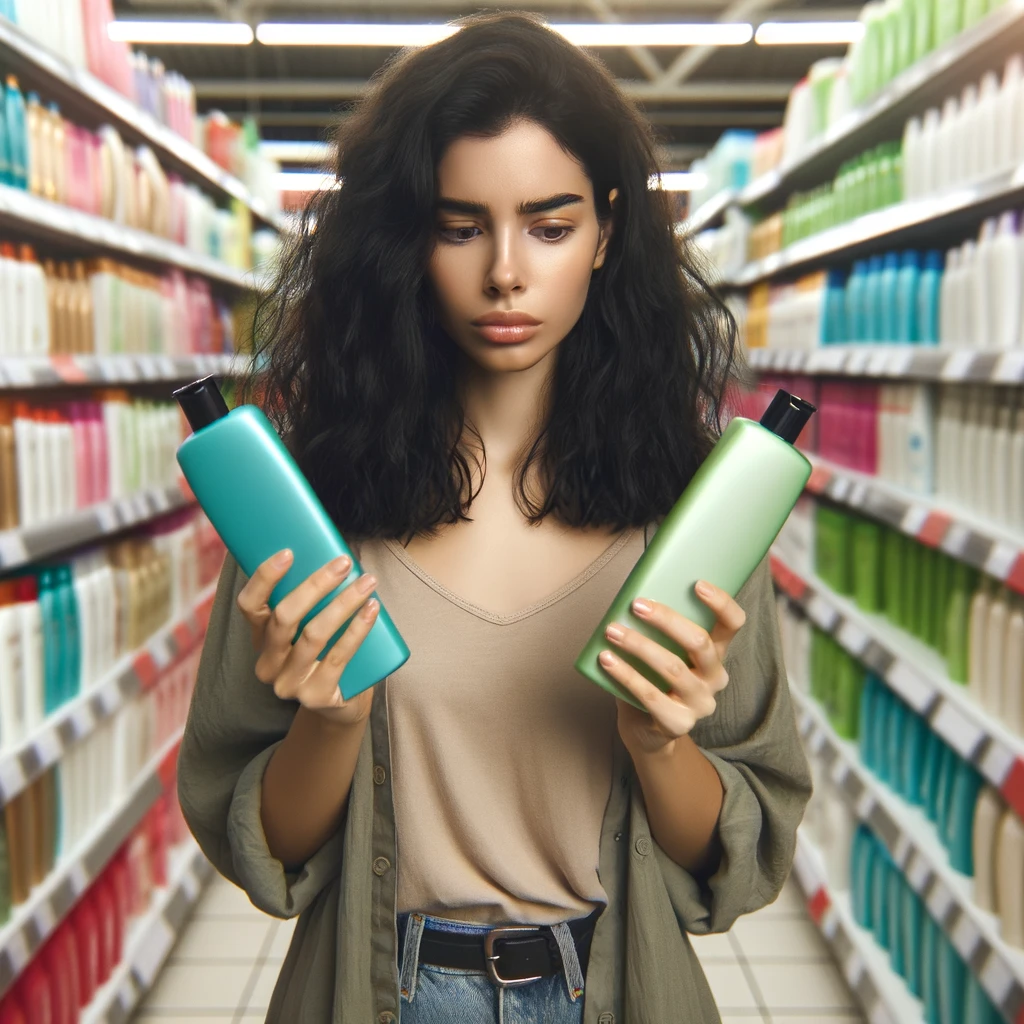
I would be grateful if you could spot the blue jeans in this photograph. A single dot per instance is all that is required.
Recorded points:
(446, 995)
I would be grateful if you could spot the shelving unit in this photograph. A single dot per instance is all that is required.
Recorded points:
(125, 368)
(70, 724)
(882, 994)
(35, 920)
(151, 938)
(710, 213)
(926, 83)
(984, 546)
(902, 224)
(918, 676)
(917, 851)
(22, 546)
(909, 362)
(83, 94)
(84, 232)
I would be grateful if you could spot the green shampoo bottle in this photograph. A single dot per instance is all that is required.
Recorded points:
(260, 503)
(719, 530)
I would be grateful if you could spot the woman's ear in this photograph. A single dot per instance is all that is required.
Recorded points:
(606, 232)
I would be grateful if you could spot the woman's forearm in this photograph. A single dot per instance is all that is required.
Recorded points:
(306, 785)
(683, 794)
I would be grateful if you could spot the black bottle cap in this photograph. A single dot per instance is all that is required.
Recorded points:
(787, 415)
(201, 402)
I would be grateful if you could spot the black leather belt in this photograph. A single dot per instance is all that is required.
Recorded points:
(514, 955)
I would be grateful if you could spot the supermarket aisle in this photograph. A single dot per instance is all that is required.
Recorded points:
(773, 967)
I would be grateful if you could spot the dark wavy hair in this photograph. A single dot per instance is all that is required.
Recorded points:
(358, 376)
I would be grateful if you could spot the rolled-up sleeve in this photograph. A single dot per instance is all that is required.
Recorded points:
(234, 724)
(753, 743)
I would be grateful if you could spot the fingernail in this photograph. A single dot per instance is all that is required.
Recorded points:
(370, 609)
(282, 558)
(367, 583)
(642, 607)
(614, 632)
(607, 658)
(340, 565)
(705, 589)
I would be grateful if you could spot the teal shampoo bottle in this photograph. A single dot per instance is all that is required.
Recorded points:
(259, 502)
(719, 530)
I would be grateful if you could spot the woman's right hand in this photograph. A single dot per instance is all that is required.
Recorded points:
(293, 669)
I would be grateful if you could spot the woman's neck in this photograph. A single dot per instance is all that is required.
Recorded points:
(507, 409)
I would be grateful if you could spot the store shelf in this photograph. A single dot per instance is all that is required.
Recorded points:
(23, 546)
(710, 213)
(917, 674)
(33, 922)
(70, 724)
(151, 937)
(127, 368)
(912, 841)
(985, 546)
(882, 994)
(902, 224)
(52, 222)
(81, 93)
(938, 75)
(909, 362)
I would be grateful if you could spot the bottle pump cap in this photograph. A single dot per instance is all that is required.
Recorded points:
(201, 402)
(786, 415)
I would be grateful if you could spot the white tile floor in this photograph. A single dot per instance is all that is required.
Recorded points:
(773, 967)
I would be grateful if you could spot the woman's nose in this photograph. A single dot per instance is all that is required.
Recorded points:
(505, 274)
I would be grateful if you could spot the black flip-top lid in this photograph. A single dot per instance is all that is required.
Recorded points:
(787, 415)
(201, 402)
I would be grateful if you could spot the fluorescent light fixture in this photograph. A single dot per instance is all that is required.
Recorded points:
(713, 34)
(808, 33)
(306, 181)
(296, 152)
(678, 181)
(354, 34)
(272, 33)
(190, 33)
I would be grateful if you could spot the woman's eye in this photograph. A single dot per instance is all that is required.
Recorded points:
(552, 232)
(463, 234)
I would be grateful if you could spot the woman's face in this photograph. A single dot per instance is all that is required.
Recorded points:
(517, 240)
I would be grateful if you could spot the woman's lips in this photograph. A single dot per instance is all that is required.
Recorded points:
(507, 334)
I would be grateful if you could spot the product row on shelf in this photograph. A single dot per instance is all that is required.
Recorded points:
(967, 298)
(68, 41)
(914, 56)
(100, 306)
(61, 458)
(25, 373)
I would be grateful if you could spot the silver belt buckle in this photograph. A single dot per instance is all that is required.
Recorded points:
(491, 958)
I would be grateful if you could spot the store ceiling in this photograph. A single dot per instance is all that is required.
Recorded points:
(691, 94)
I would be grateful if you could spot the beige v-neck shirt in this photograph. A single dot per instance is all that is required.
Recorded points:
(501, 750)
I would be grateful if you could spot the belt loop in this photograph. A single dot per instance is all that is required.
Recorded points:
(570, 960)
(411, 956)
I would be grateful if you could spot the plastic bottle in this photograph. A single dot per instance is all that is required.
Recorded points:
(17, 131)
(1003, 272)
(1002, 440)
(231, 454)
(1009, 887)
(929, 291)
(948, 20)
(1008, 115)
(1012, 697)
(927, 171)
(774, 470)
(34, 118)
(946, 143)
(907, 299)
(967, 137)
(985, 156)
(913, 159)
(889, 298)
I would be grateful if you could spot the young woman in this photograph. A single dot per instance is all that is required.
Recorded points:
(499, 368)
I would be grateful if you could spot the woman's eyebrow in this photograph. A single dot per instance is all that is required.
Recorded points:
(533, 206)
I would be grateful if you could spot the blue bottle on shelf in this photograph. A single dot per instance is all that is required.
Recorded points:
(259, 502)
(874, 323)
(929, 290)
(888, 291)
(856, 329)
(907, 295)
(16, 124)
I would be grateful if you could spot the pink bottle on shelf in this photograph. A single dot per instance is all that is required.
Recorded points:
(85, 928)
(11, 1011)
(61, 995)
(35, 994)
(83, 457)
(68, 953)
(106, 913)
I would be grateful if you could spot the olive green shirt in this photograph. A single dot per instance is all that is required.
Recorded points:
(342, 965)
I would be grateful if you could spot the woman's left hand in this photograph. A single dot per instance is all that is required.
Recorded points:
(692, 688)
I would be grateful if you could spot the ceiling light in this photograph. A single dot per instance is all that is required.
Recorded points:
(354, 34)
(306, 181)
(808, 33)
(351, 34)
(293, 152)
(216, 33)
(714, 34)
(678, 181)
